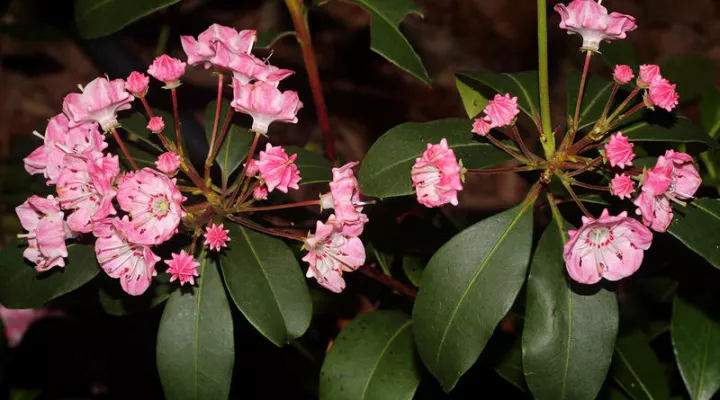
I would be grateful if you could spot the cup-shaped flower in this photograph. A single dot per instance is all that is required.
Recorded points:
(277, 169)
(655, 210)
(592, 21)
(437, 176)
(330, 252)
(247, 68)
(47, 231)
(482, 126)
(216, 237)
(623, 74)
(183, 267)
(99, 102)
(265, 104)
(154, 203)
(622, 186)
(86, 186)
(686, 179)
(120, 258)
(662, 93)
(204, 49)
(344, 198)
(137, 84)
(608, 247)
(502, 110)
(619, 151)
(168, 163)
(156, 124)
(649, 73)
(167, 69)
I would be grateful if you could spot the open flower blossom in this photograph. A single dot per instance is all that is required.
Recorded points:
(247, 68)
(168, 70)
(344, 197)
(156, 124)
(482, 126)
(168, 163)
(183, 267)
(437, 176)
(623, 74)
(674, 178)
(622, 186)
(649, 73)
(203, 50)
(265, 104)
(137, 84)
(17, 322)
(154, 203)
(59, 141)
(502, 110)
(608, 247)
(86, 186)
(592, 21)
(47, 231)
(277, 170)
(619, 151)
(216, 237)
(330, 252)
(120, 258)
(662, 93)
(99, 102)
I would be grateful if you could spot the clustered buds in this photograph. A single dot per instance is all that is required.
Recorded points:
(500, 111)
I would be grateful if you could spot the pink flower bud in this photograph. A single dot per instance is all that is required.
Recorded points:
(277, 170)
(168, 70)
(662, 94)
(593, 23)
(260, 192)
(619, 151)
(168, 163)
(648, 74)
(622, 186)
(156, 124)
(252, 168)
(623, 74)
(216, 237)
(502, 110)
(482, 126)
(183, 267)
(436, 176)
(265, 104)
(137, 84)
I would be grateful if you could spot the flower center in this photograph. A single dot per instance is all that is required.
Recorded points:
(600, 236)
(160, 206)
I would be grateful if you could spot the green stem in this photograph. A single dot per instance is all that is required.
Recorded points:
(547, 138)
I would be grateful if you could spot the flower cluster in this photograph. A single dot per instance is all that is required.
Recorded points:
(500, 111)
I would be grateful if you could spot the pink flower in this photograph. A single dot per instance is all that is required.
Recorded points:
(17, 322)
(47, 231)
(168, 163)
(623, 74)
(168, 70)
(609, 247)
(662, 94)
(119, 257)
(277, 170)
(655, 210)
(156, 124)
(265, 104)
(260, 192)
(216, 237)
(61, 140)
(592, 21)
(622, 186)
(137, 84)
(648, 74)
(619, 151)
(86, 186)
(247, 68)
(204, 49)
(482, 126)
(99, 102)
(330, 252)
(501, 110)
(437, 176)
(251, 168)
(685, 178)
(183, 267)
(344, 197)
(154, 203)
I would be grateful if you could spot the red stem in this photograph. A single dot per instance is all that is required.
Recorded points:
(282, 206)
(506, 149)
(147, 107)
(529, 154)
(123, 148)
(388, 281)
(244, 170)
(269, 231)
(218, 106)
(595, 162)
(173, 91)
(501, 170)
(589, 186)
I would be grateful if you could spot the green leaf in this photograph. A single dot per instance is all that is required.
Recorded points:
(637, 370)
(385, 171)
(510, 367)
(620, 52)
(568, 337)
(313, 167)
(678, 129)
(236, 144)
(195, 346)
(697, 226)
(413, 266)
(710, 112)
(116, 302)
(467, 288)
(690, 73)
(696, 341)
(595, 96)
(473, 101)
(266, 283)
(386, 38)
(96, 18)
(385, 260)
(22, 287)
(373, 358)
(524, 85)
(266, 40)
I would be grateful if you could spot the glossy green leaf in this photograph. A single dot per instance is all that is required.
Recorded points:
(710, 112)
(473, 101)
(637, 370)
(116, 302)
(267, 40)
(679, 130)
(524, 85)
(313, 167)
(696, 341)
(467, 288)
(386, 38)
(96, 18)
(697, 226)
(22, 287)
(568, 336)
(385, 170)
(373, 358)
(413, 266)
(510, 367)
(195, 346)
(595, 96)
(690, 73)
(236, 144)
(266, 283)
